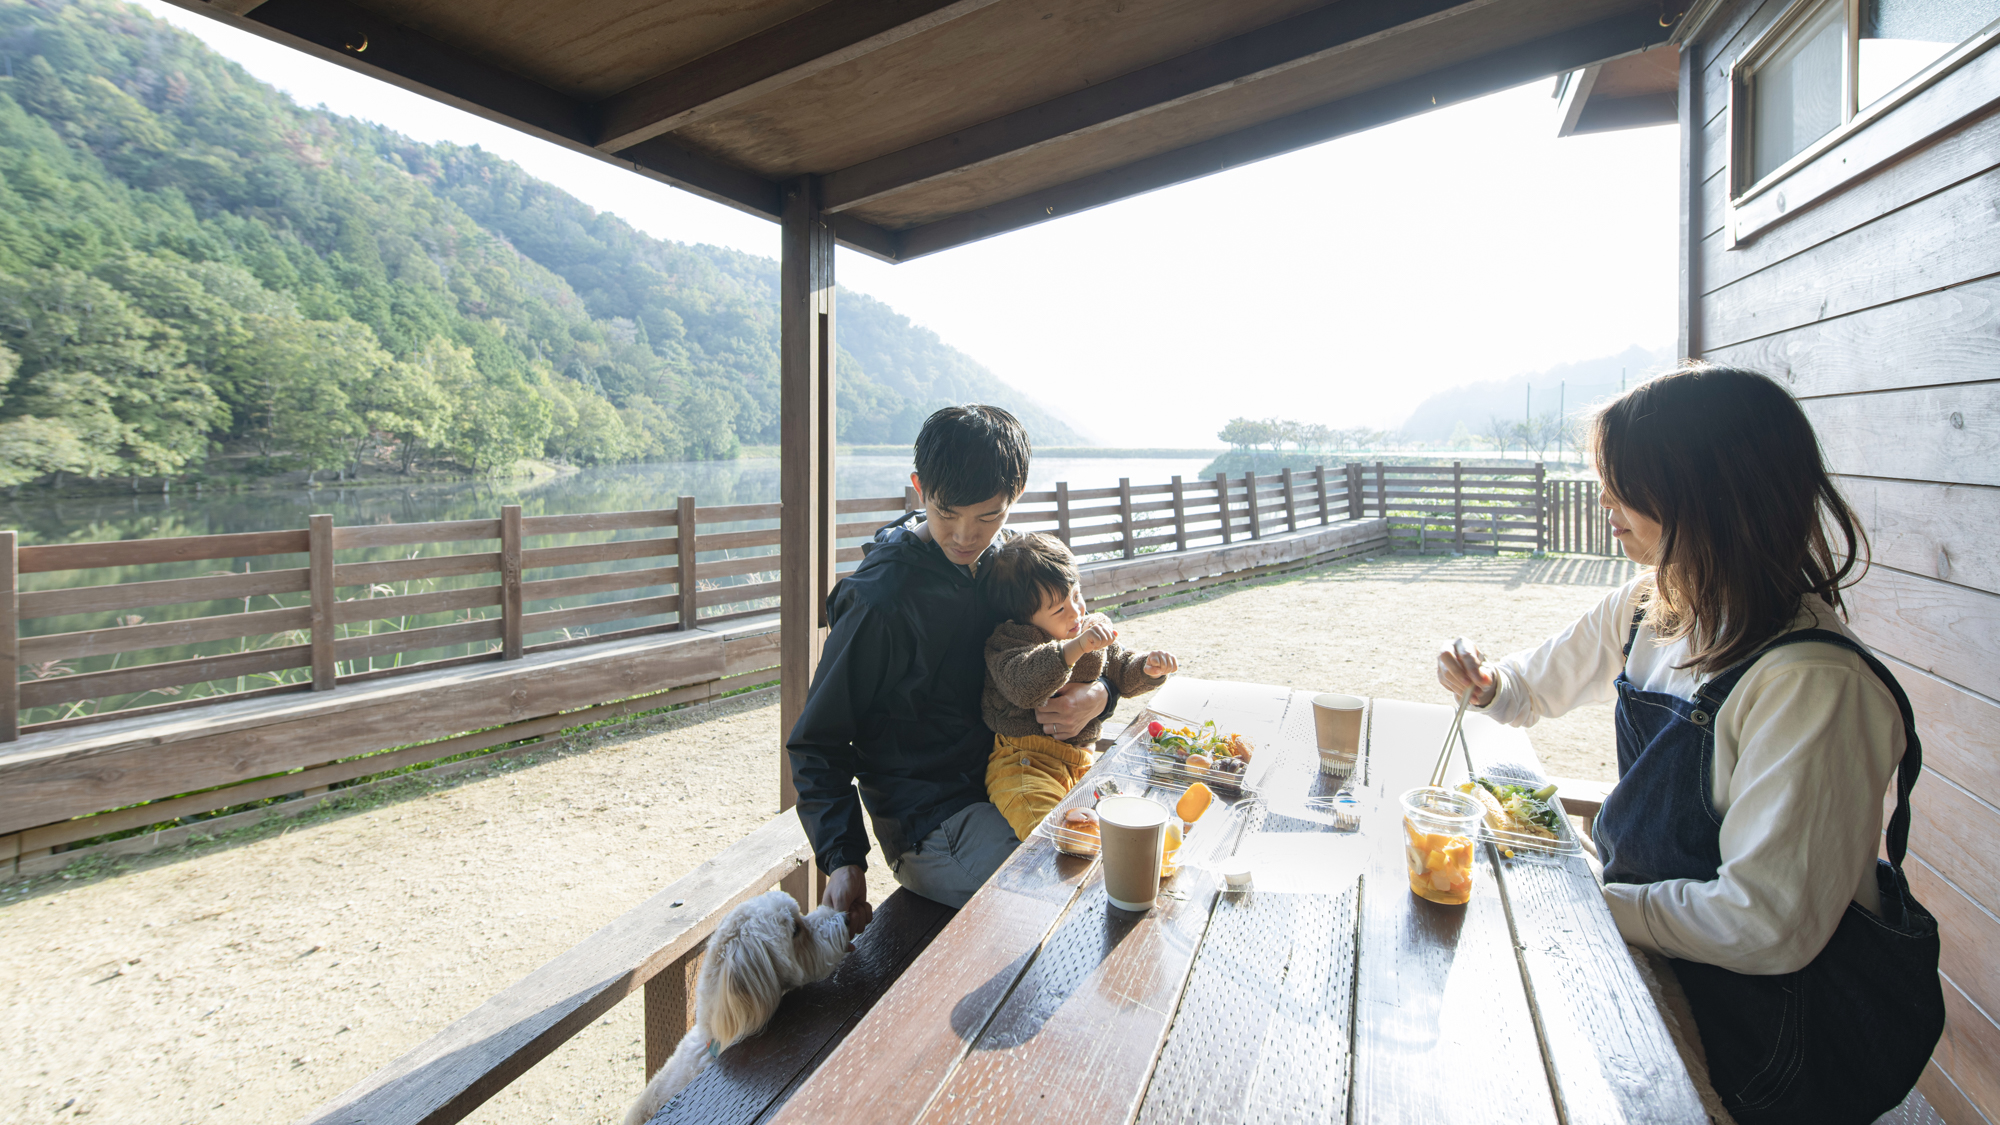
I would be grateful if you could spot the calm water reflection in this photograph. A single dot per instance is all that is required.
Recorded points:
(45, 519)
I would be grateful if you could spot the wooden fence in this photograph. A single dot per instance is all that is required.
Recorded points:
(415, 598)
(1576, 522)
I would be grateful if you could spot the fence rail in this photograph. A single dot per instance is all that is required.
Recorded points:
(381, 600)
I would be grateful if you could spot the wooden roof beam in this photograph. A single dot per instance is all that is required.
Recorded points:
(1310, 37)
(362, 41)
(1634, 30)
(827, 36)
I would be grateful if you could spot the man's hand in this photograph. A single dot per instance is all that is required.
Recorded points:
(1071, 709)
(1161, 663)
(847, 893)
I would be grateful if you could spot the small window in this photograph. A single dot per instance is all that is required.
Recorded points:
(1827, 60)
(1899, 38)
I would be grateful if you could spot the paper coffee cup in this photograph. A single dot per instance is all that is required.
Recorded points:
(1337, 730)
(1133, 835)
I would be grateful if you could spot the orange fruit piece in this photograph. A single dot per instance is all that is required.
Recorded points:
(1194, 802)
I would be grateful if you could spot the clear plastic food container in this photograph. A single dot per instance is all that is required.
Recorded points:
(1439, 828)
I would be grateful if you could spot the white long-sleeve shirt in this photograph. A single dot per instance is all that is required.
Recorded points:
(1805, 747)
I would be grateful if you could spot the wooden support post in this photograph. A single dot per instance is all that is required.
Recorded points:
(1250, 497)
(1291, 500)
(1180, 516)
(670, 1006)
(806, 884)
(1125, 512)
(1325, 505)
(1062, 511)
(910, 499)
(10, 635)
(685, 550)
(320, 591)
(1381, 492)
(1222, 502)
(1541, 526)
(1356, 506)
(510, 582)
(806, 435)
(1458, 506)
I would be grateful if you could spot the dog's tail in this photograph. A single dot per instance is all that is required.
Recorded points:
(690, 1055)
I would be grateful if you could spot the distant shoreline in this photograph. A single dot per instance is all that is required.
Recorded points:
(1040, 451)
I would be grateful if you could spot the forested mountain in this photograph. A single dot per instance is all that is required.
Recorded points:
(189, 261)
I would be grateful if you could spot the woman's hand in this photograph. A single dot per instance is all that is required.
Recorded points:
(1461, 666)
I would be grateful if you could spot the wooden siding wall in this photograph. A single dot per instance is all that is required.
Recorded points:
(1881, 307)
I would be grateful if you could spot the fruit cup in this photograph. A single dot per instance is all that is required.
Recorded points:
(1439, 828)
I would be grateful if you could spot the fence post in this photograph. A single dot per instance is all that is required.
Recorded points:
(1125, 512)
(1062, 511)
(1356, 506)
(1250, 496)
(684, 551)
(670, 1006)
(10, 634)
(1222, 502)
(1381, 492)
(1180, 515)
(909, 498)
(1291, 504)
(510, 582)
(320, 591)
(1458, 506)
(1541, 526)
(1325, 509)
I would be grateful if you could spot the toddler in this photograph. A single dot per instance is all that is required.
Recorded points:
(1046, 641)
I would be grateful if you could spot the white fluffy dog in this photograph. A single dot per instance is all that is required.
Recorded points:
(763, 949)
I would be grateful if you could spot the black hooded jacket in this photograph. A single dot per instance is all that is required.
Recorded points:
(894, 703)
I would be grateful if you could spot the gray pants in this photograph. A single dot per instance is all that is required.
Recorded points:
(957, 858)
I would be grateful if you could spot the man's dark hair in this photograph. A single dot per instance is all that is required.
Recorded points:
(966, 454)
(1025, 573)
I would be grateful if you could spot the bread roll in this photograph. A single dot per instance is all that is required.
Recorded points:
(1078, 834)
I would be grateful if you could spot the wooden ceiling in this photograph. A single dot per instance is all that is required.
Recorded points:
(939, 122)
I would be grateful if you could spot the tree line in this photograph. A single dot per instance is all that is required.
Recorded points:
(1538, 435)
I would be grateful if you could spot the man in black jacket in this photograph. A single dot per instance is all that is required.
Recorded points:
(894, 704)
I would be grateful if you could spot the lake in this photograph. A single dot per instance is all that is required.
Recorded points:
(47, 519)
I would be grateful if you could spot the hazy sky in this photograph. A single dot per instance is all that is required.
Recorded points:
(1341, 284)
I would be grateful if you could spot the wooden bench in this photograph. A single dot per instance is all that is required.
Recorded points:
(656, 947)
(1582, 799)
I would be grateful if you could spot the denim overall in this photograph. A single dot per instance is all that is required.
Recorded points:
(1841, 1040)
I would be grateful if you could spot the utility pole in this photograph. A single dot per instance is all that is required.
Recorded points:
(1562, 403)
(1527, 419)
(1621, 380)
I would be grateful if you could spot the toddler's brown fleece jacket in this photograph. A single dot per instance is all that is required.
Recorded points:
(1024, 668)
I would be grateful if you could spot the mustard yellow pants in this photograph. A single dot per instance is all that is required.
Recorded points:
(1027, 776)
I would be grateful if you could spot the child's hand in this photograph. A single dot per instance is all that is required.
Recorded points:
(1097, 633)
(1160, 664)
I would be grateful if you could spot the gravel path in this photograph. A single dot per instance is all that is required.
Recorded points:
(250, 979)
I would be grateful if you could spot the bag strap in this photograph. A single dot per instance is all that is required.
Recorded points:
(1913, 748)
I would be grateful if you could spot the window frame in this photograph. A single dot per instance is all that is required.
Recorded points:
(1741, 123)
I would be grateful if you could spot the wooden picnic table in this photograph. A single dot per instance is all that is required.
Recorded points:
(1328, 992)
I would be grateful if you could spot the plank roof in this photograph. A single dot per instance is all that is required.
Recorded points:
(939, 122)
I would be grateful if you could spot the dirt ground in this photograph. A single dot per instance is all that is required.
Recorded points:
(250, 979)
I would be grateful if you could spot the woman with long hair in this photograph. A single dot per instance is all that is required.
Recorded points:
(1756, 740)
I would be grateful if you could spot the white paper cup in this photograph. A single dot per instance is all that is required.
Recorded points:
(1337, 731)
(1133, 835)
